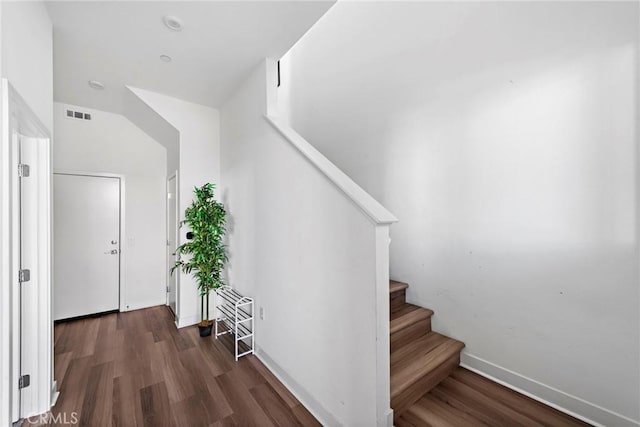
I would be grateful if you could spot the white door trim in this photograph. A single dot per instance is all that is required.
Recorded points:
(123, 247)
(5, 265)
(17, 117)
(175, 175)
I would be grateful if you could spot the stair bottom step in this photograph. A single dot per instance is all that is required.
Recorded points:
(403, 401)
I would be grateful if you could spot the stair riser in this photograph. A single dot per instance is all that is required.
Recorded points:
(408, 397)
(397, 300)
(410, 333)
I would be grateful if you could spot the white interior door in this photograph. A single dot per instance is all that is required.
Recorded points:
(86, 245)
(26, 351)
(28, 262)
(172, 237)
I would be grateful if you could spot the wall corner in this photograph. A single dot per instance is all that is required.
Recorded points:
(271, 76)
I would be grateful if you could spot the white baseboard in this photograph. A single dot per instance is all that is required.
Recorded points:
(140, 306)
(317, 410)
(564, 402)
(54, 393)
(388, 419)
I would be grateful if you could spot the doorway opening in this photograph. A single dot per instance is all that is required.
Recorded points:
(173, 216)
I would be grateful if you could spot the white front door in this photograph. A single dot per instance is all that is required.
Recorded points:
(86, 213)
(172, 237)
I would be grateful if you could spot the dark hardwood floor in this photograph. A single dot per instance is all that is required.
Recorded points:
(137, 369)
(466, 399)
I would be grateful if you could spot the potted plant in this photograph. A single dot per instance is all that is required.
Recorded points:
(207, 219)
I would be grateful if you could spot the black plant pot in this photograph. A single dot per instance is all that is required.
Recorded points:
(205, 331)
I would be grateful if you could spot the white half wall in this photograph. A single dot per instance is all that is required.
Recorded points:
(308, 253)
(110, 143)
(199, 132)
(27, 51)
(504, 136)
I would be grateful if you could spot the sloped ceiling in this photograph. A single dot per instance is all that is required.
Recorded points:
(119, 43)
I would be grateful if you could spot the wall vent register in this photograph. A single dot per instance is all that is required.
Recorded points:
(78, 115)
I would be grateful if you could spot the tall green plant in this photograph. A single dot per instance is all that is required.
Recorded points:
(207, 219)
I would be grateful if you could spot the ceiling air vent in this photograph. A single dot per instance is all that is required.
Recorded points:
(78, 115)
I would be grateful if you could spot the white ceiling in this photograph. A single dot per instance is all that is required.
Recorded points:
(119, 43)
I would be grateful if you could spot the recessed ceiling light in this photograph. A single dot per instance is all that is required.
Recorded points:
(166, 58)
(172, 23)
(96, 84)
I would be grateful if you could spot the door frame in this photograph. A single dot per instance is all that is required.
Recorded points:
(122, 288)
(19, 119)
(177, 240)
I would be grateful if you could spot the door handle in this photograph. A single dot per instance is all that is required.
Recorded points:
(112, 252)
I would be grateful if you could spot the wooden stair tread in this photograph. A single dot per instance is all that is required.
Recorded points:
(402, 310)
(422, 344)
(408, 315)
(420, 357)
(395, 286)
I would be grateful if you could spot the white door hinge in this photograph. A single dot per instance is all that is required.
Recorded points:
(23, 170)
(24, 275)
(24, 381)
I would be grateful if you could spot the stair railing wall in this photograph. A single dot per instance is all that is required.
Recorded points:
(312, 248)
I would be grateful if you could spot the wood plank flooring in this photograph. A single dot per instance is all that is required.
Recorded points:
(466, 399)
(137, 369)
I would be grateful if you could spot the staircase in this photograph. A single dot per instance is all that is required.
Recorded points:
(420, 358)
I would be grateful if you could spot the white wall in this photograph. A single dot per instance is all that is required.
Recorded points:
(504, 137)
(109, 143)
(307, 254)
(27, 50)
(147, 119)
(199, 129)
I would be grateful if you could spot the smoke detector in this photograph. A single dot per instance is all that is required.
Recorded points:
(172, 23)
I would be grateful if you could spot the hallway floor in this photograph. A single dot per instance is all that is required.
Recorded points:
(137, 369)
